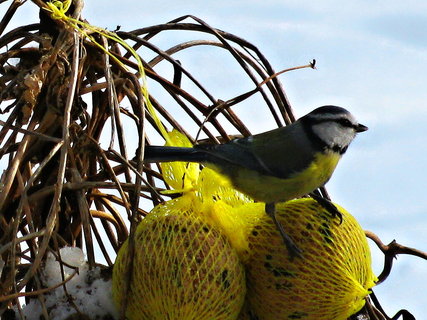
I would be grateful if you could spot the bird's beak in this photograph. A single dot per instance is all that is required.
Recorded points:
(360, 128)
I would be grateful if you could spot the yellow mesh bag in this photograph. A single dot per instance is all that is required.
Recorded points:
(330, 282)
(184, 268)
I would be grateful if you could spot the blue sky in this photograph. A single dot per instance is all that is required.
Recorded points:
(372, 59)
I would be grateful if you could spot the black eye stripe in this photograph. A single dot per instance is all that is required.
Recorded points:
(345, 123)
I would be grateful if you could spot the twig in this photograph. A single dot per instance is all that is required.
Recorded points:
(31, 132)
(37, 292)
(140, 111)
(27, 237)
(53, 212)
(390, 252)
(379, 313)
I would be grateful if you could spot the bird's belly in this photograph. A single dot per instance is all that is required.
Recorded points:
(272, 189)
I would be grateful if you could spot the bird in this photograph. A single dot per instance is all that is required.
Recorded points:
(278, 165)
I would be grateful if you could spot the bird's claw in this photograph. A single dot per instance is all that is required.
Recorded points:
(329, 206)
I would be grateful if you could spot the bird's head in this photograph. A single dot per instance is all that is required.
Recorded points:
(332, 127)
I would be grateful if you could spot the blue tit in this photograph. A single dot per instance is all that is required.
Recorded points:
(277, 165)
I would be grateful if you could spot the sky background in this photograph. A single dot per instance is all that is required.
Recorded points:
(372, 59)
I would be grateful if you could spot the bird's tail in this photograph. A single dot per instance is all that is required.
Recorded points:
(170, 154)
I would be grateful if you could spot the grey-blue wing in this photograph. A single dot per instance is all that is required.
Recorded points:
(280, 152)
(231, 154)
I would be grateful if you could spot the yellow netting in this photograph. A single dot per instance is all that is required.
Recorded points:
(184, 269)
(188, 250)
(329, 283)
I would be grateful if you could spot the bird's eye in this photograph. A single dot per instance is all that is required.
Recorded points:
(345, 123)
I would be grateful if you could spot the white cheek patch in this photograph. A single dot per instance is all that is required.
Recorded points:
(334, 134)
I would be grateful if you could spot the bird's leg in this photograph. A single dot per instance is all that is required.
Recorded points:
(293, 250)
(327, 204)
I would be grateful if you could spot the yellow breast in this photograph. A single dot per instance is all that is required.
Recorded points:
(272, 189)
